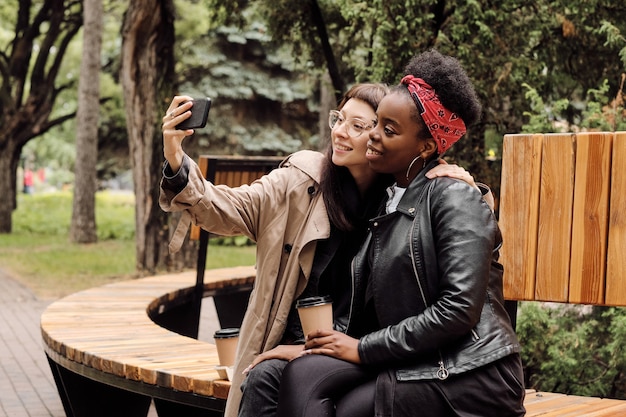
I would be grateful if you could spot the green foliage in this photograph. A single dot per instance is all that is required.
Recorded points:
(193, 19)
(561, 49)
(593, 115)
(261, 103)
(614, 38)
(53, 267)
(599, 112)
(583, 70)
(533, 328)
(238, 241)
(7, 16)
(259, 140)
(39, 254)
(115, 214)
(44, 214)
(55, 149)
(265, 54)
(50, 214)
(541, 118)
(574, 349)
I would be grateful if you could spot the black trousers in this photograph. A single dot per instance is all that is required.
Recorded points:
(260, 389)
(317, 385)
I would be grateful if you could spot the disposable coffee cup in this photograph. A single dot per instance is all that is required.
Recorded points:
(226, 343)
(316, 313)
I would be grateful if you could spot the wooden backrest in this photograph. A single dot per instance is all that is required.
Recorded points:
(563, 217)
(234, 171)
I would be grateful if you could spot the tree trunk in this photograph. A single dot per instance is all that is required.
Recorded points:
(83, 226)
(28, 85)
(329, 54)
(147, 71)
(9, 159)
(328, 102)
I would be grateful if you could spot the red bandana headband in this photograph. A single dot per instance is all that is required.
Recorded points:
(445, 126)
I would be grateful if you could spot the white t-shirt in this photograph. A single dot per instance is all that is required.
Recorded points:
(395, 195)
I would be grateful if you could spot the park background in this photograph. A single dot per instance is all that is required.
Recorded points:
(85, 84)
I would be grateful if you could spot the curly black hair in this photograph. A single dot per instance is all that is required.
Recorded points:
(449, 80)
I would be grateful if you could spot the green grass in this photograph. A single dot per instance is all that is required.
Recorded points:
(39, 253)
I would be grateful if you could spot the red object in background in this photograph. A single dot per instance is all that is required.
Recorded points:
(28, 178)
(28, 181)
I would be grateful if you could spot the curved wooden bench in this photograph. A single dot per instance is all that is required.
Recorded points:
(110, 357)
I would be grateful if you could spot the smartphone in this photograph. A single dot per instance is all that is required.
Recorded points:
(199, 114)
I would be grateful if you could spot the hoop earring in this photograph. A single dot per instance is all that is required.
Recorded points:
(413, 162)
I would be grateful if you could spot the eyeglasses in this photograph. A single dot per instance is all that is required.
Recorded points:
(354, 126)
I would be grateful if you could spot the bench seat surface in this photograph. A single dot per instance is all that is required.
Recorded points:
(108, 329)
(549, 404)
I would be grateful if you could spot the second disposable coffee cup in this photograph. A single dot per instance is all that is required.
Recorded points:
(226, 343)
(316, 313)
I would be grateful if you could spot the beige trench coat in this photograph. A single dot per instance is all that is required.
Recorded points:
(284, 214)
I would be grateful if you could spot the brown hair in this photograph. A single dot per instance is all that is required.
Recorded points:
(333, 175)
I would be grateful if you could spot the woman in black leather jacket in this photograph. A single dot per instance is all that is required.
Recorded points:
(428, 333)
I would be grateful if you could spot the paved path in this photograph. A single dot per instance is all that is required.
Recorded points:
(26, 385)
(27, 388)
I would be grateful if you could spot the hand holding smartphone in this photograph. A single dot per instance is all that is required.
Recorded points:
(199, 115)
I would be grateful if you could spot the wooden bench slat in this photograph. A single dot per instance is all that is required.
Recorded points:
(616, 267)
(603, 407)
(233, 171)
(556, 196)
(560, 405)
(590, 218)
(615, 410)
(519, 213)
(148, 370)
(184, 380)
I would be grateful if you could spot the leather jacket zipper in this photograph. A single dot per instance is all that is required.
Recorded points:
(419, 283)
(353, 289)
(442, 372)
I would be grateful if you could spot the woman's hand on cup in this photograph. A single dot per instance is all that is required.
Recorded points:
(332, 343)
(172, 137)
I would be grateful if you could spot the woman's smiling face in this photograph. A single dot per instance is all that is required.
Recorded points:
(349, 150)
(396, 139)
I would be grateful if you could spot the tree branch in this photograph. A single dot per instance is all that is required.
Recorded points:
(331, 63)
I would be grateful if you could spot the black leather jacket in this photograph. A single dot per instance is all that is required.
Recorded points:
(430, 271)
